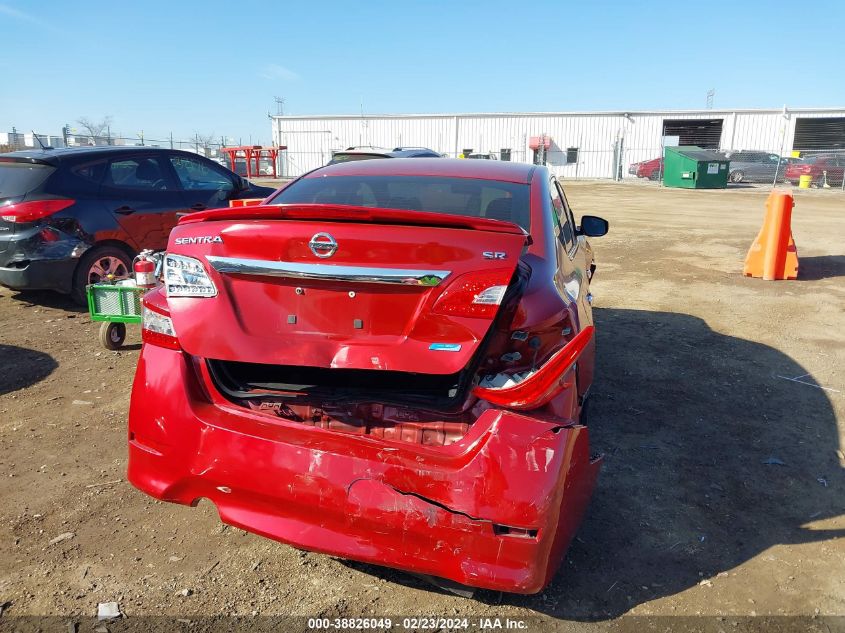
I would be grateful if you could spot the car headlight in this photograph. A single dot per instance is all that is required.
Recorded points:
(186, 277)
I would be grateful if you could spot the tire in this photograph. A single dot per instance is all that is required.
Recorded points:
(94, 264)
(112, 335)
(655, 175)
(737, 176)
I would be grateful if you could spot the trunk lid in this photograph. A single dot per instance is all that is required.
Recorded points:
(346, 287)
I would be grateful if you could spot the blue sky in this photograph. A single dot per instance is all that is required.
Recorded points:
(214, 67)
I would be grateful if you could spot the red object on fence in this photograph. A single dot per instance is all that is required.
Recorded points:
(245, 202)
(253, 154)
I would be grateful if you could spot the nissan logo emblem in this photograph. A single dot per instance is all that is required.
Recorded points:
(322, 245)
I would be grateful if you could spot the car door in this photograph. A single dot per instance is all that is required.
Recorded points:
(139, 190)
(204, 184)
(837, 170)
(574, 259)
(764, 166)
(749, 165)
(572, 255)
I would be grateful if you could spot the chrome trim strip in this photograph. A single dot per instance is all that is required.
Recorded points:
(365, 274)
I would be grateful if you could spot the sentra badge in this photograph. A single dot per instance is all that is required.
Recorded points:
(202, 239)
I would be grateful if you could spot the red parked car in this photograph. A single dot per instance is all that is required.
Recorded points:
(651, 169)
(820, 166)
(386, 361)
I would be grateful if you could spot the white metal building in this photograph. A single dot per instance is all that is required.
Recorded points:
(572, 144)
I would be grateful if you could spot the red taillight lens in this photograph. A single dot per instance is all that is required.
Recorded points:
(157, 327)
(543, 384)
(476, 294)
(33, 210)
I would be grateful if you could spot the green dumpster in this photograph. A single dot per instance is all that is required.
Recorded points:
(692, 167)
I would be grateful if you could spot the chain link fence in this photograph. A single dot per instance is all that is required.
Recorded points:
(204, 145)
(748, 166)
(816, 152)
(208, 146)
(820, 164)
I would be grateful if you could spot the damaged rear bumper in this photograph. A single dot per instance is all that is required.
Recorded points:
(496, 509)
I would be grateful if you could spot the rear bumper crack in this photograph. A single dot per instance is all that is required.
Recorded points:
(442, 506)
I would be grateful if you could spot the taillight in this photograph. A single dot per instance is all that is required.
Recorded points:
(476, 294)
(157, 328)
(33, 210)
(537, 387)
(186, 277)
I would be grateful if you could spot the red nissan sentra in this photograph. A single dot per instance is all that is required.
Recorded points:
(385, 361)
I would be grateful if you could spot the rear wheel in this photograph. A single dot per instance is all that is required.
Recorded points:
(737, 176)
(112, 335)
(98, 265)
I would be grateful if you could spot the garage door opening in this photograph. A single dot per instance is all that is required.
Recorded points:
(705, 133)
(819, 134)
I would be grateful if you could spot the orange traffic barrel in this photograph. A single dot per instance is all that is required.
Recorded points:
(773, 254)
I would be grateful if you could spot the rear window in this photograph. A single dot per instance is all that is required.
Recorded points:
(468, 197)
(18, 178)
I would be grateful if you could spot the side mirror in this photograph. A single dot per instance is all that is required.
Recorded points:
(243, 184)
(593, 226)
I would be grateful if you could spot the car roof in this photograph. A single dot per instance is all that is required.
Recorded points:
(63, 154)
(410, 153)
(396, 152)
(436, 167)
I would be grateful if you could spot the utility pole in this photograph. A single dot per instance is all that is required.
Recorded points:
(710, 95)
(280, 105)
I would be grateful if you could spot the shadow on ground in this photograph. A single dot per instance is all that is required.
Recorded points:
(822, 267)
(48, 299)
(21, 367)
(694, 425)
(710, 459)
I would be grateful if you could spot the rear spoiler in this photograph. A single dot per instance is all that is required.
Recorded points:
(26, 159)
(343, 213)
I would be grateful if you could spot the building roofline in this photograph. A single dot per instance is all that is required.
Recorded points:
(620, 113)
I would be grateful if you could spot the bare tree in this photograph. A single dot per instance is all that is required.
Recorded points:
(95, 128)
(204, 141)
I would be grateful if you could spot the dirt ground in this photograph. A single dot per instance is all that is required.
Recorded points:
(719, 404)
